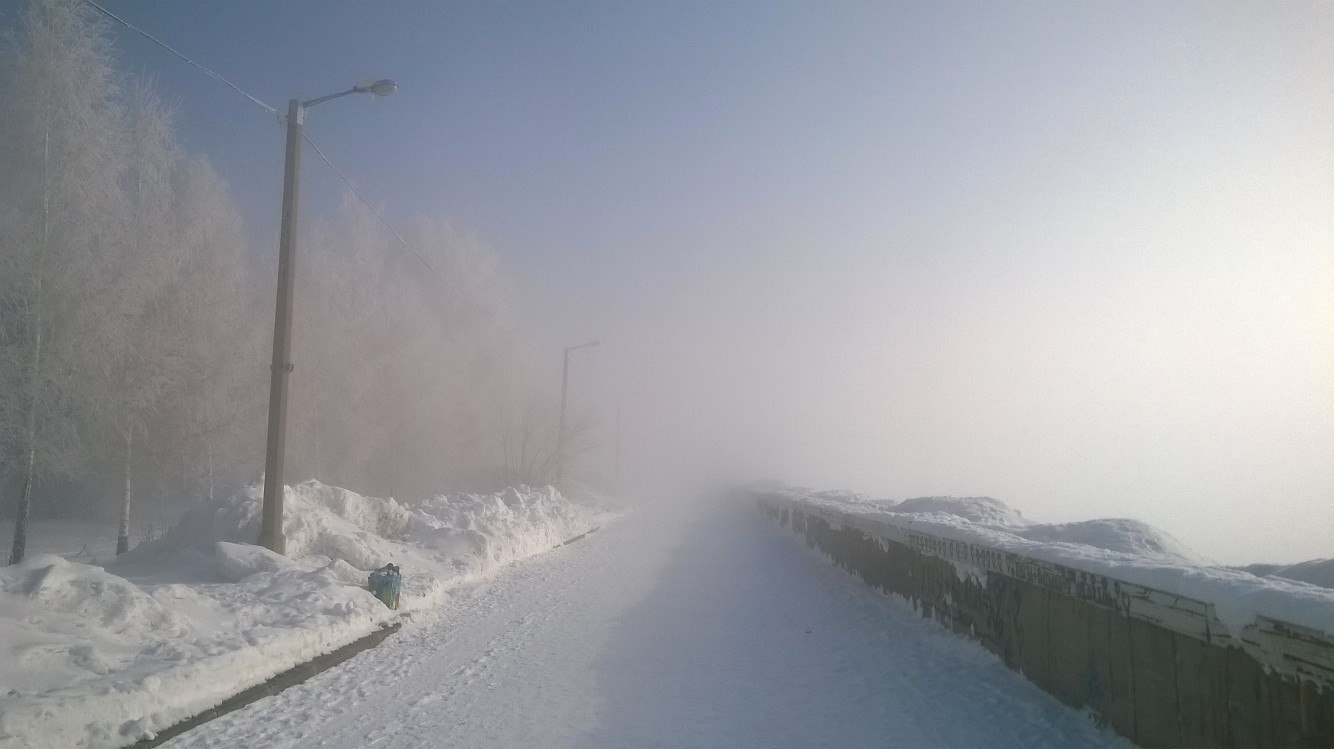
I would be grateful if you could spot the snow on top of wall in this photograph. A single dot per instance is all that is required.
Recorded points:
(985, 510)
(841, 496)
(1132, 537)
(1129, 551)
(1316, 571)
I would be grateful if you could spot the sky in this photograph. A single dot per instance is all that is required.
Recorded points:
(1075, 256)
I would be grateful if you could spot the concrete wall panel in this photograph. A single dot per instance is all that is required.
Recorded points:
(1069, 652)
(1202, 695)
(1153, 657)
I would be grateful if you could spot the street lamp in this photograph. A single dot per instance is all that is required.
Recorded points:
(271, 520)
(560, 431)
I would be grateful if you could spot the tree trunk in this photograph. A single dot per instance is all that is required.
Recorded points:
(30, 454)
(34, 369)
(123, 537)
(25, 509)
(315, 422)
(209, 451)
(30, 437)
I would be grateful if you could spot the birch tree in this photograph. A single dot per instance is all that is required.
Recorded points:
(210, 422)
(400, 375)
(343, 350)
(61, 202)
(136, 292)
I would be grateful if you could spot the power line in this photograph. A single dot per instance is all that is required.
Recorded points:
(274, 111)
(170, 49)
(382, 219)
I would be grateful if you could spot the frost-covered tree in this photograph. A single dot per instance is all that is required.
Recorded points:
(142, 326)
(527, 435)
(60, 204)
(211, 414)
(134, 344)
(400, 375)
(130, 342)
(343, 347)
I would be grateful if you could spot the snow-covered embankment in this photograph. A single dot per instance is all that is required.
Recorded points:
(104, 656)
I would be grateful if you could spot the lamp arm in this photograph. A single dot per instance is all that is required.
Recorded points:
(322, 99)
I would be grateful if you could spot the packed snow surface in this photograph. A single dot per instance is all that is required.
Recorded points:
(683, 624)
(104, 655)
(1126, 550)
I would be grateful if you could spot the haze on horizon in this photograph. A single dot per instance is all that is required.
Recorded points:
(1077, 257)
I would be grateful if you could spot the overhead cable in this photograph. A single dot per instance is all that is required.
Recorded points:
(170, 49)
(274, 111)
(379, 216)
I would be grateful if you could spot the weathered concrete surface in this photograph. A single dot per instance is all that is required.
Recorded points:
(1095, 642)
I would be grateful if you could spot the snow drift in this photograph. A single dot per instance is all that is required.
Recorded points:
(1132, 537)
(1316, 571)
(1122, 535)
(983, 510)
(103, 656)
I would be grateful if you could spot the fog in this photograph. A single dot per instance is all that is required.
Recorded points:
(1196, 398)
(1086, 267)
(1078, 258)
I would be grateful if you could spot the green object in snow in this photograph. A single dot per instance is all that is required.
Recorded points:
(385, 583)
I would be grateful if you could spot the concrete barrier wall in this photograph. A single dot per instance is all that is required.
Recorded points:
(1157, 667)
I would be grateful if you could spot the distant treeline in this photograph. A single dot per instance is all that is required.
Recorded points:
(136, 324)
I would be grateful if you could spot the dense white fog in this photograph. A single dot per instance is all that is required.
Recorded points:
(1078, 258)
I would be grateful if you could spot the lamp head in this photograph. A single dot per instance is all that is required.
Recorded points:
(382, 87)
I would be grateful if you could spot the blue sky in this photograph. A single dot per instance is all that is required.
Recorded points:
(1076, 256)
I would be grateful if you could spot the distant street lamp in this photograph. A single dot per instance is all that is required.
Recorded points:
(560, 431)
(271, 521)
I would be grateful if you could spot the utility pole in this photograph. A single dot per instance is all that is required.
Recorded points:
(271, 518)
(560, 429)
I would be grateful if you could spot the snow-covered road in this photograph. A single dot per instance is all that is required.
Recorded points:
(696, 624)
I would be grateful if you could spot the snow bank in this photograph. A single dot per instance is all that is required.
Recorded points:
(1133, 537)
(103, 656)
(1119, 534)
(88, 541)
(983, 510)
(1316, 571)
(482, 531)
(1126, 550)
